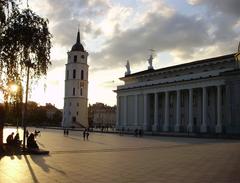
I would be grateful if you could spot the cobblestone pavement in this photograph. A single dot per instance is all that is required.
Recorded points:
(109, 158)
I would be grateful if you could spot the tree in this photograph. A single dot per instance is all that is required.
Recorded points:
(25, 44)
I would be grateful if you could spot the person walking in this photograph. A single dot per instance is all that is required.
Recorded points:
(84, 134)
(87, 134)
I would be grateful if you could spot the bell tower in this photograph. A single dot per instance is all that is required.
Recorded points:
(76, 87)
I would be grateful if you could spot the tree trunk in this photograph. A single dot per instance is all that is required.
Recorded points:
(1, 135)
(2, 118)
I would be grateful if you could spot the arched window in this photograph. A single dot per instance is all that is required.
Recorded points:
(75, 58)
(73, 91)
(74, 73)
(81, 92)
(82, 75)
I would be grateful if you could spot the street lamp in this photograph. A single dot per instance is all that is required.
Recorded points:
(24, 116)
(13, 89)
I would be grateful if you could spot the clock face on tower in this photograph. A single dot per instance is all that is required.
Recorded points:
(81, 84)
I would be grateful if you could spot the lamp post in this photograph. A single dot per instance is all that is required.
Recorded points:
(24, 116)
(13, 90)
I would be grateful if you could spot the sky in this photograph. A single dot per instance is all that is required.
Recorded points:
(114, 31)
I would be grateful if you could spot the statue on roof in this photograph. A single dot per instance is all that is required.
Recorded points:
(150, 62)
(237, 57)
(128, 68)
(239, 46)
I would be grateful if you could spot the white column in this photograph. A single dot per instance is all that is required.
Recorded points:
(145, 112)
(136, 111)
(166, 115)
(118, 112)
(178, 112)
(155, 126)
(190, 111)
(204, 110)
(125, 112)
(219, 109)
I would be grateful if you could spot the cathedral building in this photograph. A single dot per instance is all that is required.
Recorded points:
(199, 97)
(76, 87)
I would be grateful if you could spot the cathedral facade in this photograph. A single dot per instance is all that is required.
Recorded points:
(198, 97)
(76, 87)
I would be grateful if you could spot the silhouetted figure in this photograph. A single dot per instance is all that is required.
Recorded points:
(36, 133)
(123, 130)
(16, 140)
(67, 132)
(31, 142)
(10, 139)
(87, 134)
(140, 133)
(84, 134)
(136, 132)
(27, 133)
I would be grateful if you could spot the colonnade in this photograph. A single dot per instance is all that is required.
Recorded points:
(165, 125)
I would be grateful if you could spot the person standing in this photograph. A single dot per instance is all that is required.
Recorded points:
(84, 134)
(87, 133)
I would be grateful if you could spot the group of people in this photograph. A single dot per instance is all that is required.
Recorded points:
(138, 132)
(14, 140)
(31, 141)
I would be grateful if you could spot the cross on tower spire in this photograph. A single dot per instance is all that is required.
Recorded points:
(78, 36)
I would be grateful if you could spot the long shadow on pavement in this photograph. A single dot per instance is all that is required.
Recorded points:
(41, 162)
(31, 169)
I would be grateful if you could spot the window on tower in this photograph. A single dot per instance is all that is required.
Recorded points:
(75, 58)
(73, 91)
(67, 75)
(81, 91)
(74, 73)
(82, 75)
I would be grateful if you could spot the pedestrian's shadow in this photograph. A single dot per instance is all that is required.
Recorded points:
(34, 177)
(41, 162)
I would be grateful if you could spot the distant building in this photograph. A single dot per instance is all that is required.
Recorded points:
(51, 111)
(102, 115)
(76, 87)
(200, 96)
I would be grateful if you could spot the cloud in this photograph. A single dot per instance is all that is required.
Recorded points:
(230, 7)
(115, 31)
(161, 33)
(183, 36)
(66, 15)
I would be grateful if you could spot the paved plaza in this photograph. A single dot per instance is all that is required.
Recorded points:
(110, 158)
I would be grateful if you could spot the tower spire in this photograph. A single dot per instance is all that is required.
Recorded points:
(78, 36)
(78, 46)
